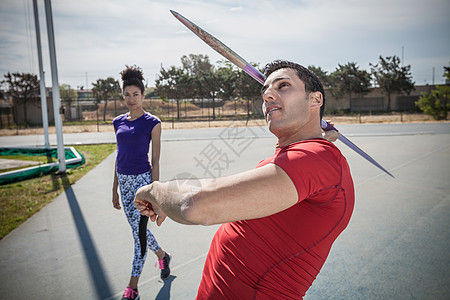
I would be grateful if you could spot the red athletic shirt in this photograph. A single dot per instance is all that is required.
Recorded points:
(279, 256)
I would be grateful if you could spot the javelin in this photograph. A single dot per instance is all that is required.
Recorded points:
(232, 56)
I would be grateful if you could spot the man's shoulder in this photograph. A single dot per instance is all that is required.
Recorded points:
(317, 152)
(313, 146)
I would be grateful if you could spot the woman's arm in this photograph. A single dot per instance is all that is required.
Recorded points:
(115, 194)
(156, 151)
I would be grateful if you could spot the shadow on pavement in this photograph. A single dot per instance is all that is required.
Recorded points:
(164, 292)
(101, 285)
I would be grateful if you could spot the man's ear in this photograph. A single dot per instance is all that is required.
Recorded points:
(317, 99)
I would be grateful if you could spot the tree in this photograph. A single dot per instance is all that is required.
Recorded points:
(173, 84)
(227, 77)
(104, 90)
(203, 77)
(391, 77)
(349, 79)
(22, 87)
(324, 78)
(248, 87)
(447, 74)
(68, 96)
(208, 81)
(195, 64)
(437, 103)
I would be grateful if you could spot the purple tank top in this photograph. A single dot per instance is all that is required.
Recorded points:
(133, 141)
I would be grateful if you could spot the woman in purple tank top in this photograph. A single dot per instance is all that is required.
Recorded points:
(134, 132)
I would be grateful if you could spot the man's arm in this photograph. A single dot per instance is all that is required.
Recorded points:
(253, 194)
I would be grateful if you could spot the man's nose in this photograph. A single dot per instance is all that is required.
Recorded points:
(269, 95)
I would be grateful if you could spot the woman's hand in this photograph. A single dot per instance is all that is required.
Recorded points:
(115, 200)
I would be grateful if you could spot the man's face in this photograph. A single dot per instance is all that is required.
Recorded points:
(286, 105)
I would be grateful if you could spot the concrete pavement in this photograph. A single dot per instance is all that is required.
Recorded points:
(396, 245)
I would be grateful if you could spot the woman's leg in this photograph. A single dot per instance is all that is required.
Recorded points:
(128, 185)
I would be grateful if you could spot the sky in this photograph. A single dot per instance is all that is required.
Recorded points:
(96, 39)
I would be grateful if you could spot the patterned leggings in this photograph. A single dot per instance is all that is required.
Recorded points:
(128, 185)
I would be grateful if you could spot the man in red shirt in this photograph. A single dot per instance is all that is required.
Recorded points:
(280, 219)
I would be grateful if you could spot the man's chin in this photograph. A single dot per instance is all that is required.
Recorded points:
(272, 126)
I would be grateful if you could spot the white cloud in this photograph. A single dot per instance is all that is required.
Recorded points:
(236, 8)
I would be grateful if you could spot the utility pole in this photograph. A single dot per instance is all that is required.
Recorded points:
(57, 109)
(433, 77)
(403, 53)
(41, 76)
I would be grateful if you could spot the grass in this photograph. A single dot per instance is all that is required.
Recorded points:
(20, 200)
(88, 122)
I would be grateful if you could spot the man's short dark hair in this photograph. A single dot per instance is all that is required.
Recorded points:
(311, 81)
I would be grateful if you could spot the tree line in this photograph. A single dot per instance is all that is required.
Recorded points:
(197, 79)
